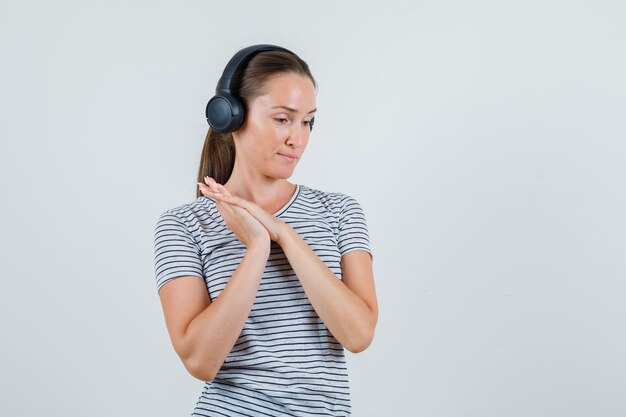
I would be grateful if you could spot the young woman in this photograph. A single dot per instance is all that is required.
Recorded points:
(264, 282)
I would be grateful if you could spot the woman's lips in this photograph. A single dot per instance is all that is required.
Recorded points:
(289, 158)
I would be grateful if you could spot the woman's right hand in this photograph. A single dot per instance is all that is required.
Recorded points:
(243, 224)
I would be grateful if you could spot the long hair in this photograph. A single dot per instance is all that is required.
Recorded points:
(218, 153)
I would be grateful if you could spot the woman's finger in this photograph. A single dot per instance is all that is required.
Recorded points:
(220, 194)
(240, 222)
(217, 186)
(206, 191)
(238, 201)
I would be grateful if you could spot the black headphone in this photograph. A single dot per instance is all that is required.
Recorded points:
(225, 112)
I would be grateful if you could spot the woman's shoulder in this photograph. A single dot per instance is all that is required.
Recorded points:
(334, 198)
(321, 193)
(200, 208)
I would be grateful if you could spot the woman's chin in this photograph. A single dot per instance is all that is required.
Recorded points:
(283, 174)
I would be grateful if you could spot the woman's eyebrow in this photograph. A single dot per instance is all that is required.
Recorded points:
(292, 110)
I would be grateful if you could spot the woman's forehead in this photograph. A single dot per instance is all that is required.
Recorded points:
(293, 91)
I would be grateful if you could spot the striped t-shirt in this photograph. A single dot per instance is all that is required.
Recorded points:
(285, 362)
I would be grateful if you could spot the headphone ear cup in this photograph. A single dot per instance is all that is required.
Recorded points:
(224, 113)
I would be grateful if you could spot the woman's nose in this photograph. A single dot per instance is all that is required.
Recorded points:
(297, 135)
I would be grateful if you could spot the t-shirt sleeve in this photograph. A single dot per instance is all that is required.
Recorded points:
(353, 232)
(176, 253)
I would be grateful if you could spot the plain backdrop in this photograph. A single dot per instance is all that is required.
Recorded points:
(484, 140)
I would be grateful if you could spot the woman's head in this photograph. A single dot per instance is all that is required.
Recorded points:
(271, 79)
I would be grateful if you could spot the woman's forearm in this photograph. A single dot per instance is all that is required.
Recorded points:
(345, 314)
(212, 334)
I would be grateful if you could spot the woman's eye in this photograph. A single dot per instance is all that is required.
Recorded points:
(280, 120)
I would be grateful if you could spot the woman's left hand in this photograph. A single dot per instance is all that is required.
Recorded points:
(217, 191)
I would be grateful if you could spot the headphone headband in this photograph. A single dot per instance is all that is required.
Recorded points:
(241, 57)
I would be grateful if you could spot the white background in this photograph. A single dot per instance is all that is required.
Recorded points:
(485, 141)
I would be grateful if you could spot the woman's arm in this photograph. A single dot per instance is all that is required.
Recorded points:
(203, 332)
(349, 308)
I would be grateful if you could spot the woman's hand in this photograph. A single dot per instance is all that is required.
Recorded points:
(245, 227)
(218, 192)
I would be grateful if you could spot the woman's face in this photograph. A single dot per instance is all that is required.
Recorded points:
(277, 126)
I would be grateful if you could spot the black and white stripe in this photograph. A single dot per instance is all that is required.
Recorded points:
(285, 362)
